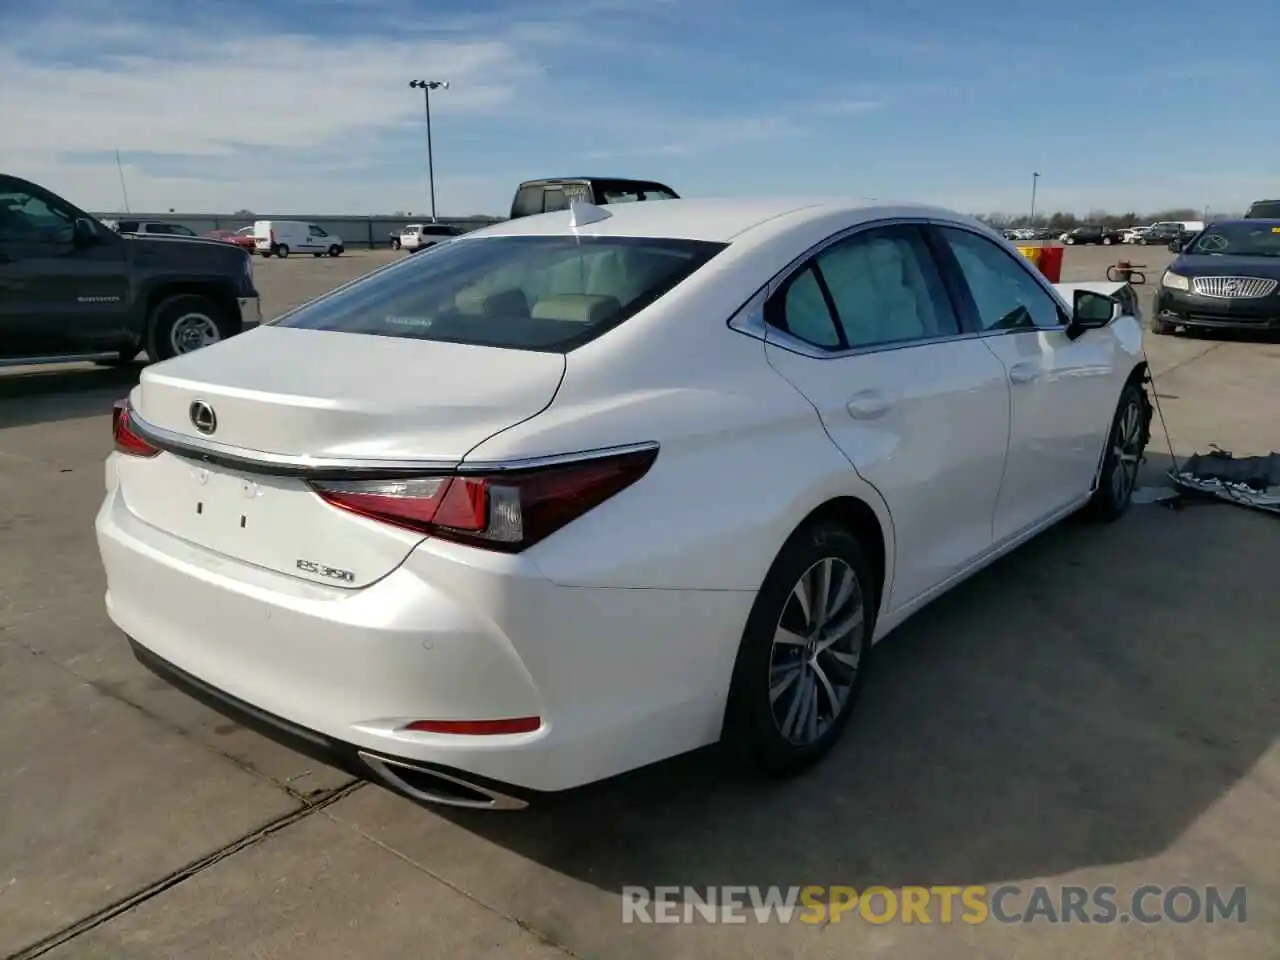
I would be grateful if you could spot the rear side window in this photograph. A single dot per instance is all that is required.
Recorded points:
(528, 202)
(548, 293)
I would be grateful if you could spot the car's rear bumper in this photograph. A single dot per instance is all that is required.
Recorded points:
(618, 678)
(1216, 313)
(421, 781)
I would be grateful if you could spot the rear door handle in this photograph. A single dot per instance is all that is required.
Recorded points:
(870, 404)
(1026, 372)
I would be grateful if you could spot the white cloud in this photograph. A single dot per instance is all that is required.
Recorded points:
(276, 121)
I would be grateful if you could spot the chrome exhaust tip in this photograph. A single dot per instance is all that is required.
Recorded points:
(432, 786)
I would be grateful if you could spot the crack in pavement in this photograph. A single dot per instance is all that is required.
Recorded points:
(171, 880)
(422, 868)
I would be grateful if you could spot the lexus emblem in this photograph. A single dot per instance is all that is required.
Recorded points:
(202, 417)
(1232, 287)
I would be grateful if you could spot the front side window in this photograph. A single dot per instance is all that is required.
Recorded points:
(547, 293)
(30, 218)
(317, 231)
(1005, 295)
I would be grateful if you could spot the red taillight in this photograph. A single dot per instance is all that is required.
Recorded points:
(127, 441)
(507, 511)
(477, 728)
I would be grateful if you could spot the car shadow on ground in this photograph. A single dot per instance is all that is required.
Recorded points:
(54, 394)
(1081, 702)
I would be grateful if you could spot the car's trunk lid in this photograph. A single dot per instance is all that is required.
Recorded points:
(284, 399)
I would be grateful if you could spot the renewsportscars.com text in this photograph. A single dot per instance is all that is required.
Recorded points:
(972, 905)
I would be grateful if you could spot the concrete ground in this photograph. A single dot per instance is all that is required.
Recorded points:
(1099, 708)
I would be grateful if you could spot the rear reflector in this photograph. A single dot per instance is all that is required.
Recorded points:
(506, 511)
(122, 429)
(477, 728)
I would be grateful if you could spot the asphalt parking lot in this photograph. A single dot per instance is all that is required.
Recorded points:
(1099, 708)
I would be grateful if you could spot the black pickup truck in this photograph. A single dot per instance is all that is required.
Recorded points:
(73, 289)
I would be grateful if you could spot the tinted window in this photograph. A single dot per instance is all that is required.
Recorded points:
(556, 199)
(1005, 294)
(804, 312)
(886, 289)
(528, 202)
(1265, 209)
(530, 293)
(26, 217)
(127, 226)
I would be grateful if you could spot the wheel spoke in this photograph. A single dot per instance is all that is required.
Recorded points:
(783, 678)
(821, 594)
(801, 594)
(845, 585)
(849, 660)
(812, 729)
(789, 638)
(841, 628)
(830, 691)
(798, 704)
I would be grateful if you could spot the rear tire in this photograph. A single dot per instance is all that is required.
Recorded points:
(804, 653)
(395, 244)
(1106, 241)
(184, 323)
(1126, 446)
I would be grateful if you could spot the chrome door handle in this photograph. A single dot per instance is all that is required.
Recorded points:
(1024, 372)
(869, 404)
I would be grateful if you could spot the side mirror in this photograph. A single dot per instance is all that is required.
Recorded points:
(1091, 311)
(1176, 244)
(85, 234)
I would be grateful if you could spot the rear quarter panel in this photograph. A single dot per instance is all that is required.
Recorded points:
(743, 456)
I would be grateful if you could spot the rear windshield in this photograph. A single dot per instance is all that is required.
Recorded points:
(1264, 209)
(524, 293)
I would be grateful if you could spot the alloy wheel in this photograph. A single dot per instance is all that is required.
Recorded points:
(1127, 452)
(816, 651)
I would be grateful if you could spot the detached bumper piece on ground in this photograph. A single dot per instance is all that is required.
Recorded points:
(1248, 481)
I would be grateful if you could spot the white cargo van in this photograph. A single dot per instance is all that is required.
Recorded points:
(280, 238)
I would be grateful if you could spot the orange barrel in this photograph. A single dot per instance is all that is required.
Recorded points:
(1031, 253)
(1051, 263)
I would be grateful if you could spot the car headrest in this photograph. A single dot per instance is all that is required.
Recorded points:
(575, 308)
(478, 302)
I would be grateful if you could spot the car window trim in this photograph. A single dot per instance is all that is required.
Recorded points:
(750, 320)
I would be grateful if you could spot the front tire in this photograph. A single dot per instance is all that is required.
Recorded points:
(334, 250)
(804, 653)
(1106, 241)
(185, 323)
(395, 244)
(1161, 327)
(1126, 449)
(282, 251)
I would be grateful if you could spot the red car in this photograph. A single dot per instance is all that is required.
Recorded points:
(241, 238)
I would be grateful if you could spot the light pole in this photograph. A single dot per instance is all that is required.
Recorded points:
(1035, 177)
(426, 86)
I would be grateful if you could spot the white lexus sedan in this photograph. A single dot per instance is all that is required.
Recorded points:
(586, 490)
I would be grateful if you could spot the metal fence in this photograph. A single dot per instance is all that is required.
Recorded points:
(354, 231)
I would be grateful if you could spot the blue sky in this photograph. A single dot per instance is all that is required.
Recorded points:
(303, 105)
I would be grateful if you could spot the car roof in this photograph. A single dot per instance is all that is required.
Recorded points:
(540, 181)
(716, 220)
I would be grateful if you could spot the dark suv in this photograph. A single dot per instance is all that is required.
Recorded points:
(1093, 233)
(544, 196)
(1264, 210)
(71, 288)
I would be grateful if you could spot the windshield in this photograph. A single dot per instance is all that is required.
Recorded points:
(1250, 239)
(549, 293)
